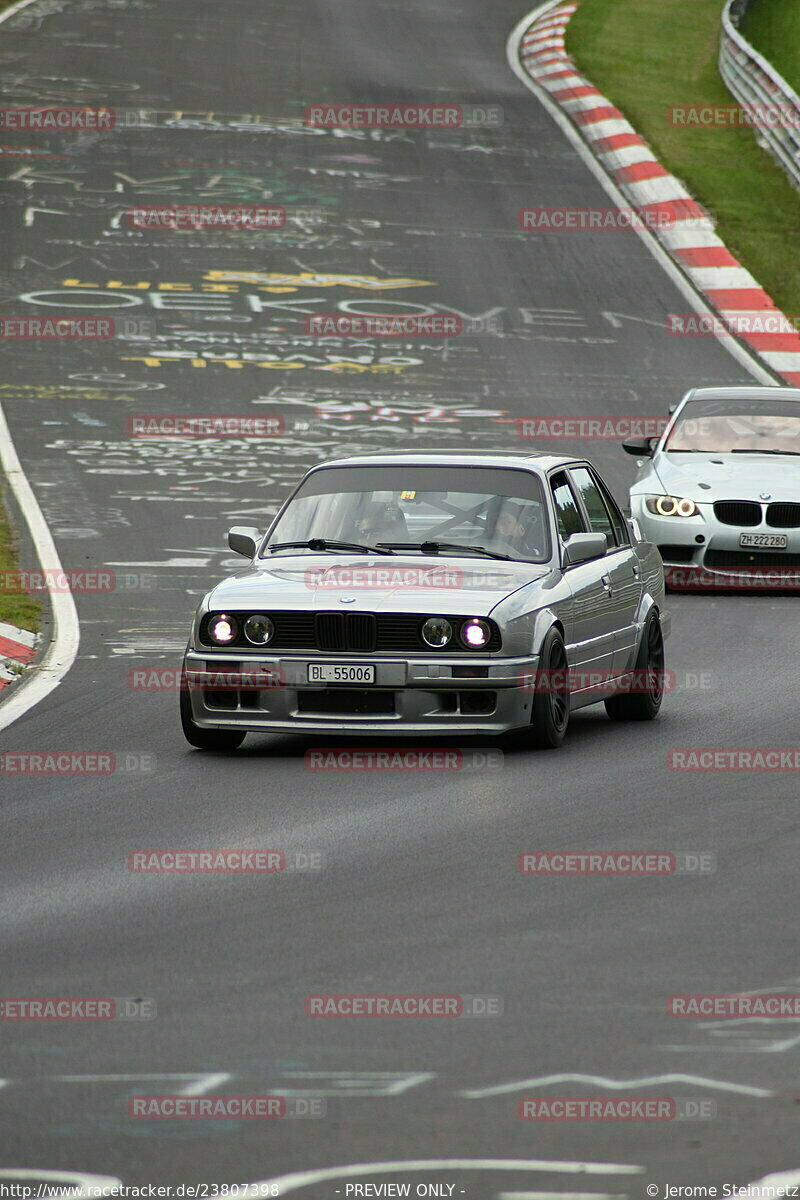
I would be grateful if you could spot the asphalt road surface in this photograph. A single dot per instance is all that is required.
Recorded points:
(420, 891)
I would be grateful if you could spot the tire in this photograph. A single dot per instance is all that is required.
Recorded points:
(550, 715)
(643, 705)
(206, 739)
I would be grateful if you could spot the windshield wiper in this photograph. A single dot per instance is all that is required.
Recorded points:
(322, 544)
(795, 453)
(438, 547)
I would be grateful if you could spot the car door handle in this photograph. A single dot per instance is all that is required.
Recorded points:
(635, 572)
(606, 582)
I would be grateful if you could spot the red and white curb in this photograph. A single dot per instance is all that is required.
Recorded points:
(17, 648)
(687, 230)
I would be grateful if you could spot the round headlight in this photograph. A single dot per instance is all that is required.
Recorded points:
(223, 629)
(258, 629)
(671, 506)
(475, 633)
(437, 632)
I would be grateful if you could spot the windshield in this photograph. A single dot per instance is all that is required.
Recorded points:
(728, 426)
(500, 510)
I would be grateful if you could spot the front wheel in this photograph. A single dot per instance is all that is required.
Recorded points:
(643, 702)
(550, 715)
(206, 739)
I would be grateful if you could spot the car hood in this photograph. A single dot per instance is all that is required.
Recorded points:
(728, 476)
(401, 583)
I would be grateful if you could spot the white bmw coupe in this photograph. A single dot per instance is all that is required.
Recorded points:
(719, 491)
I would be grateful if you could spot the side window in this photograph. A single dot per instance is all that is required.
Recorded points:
(568, 516)
(617, 519)
(595, 505)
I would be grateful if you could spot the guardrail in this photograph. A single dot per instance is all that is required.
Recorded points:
(772, 105)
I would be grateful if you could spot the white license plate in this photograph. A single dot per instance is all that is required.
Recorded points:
(764, 541)
(341, 673)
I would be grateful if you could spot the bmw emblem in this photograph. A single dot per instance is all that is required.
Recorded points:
(347, 599)
(765, 495)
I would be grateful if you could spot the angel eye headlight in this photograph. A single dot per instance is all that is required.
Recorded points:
(437, 632)
(475, 633)
(223, 629)
(671, 506)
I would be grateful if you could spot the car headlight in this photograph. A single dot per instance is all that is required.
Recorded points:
(671, 506)
(437, 632)
(475, 633)
(223, 629)
(259, 629)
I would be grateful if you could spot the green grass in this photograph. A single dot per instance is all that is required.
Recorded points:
(650, 55)
(773, 28)
(16, 609)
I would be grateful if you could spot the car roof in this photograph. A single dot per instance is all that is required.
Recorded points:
(744, 393)
(540, 460)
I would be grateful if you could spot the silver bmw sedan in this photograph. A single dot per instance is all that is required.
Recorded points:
(431, 593)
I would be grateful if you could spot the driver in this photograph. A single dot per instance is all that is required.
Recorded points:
(381, 522)
(517, 531)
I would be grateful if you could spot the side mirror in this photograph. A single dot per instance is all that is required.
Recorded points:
(642, 447)
(244, 540)
(583, 547)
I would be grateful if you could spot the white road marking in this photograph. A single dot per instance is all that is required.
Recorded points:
(89, 1185)
(781, 1180)
(199, 1084)
(615, 1084)
(356, 1083)
(560, 1196)
(165, 562)
(697, 304)
(63, 649)
(301, 1179)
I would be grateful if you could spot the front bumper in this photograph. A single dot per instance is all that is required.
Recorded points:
(421, 695)
(718, 560)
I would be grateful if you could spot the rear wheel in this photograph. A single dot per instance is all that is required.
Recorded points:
(644, 701)
(206, 739)
(550, 715)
